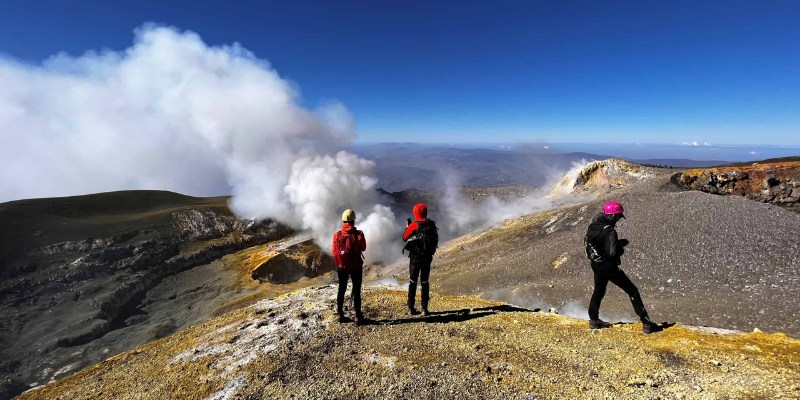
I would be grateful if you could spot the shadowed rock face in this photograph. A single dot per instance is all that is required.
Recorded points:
(777, 183)
(74, 269)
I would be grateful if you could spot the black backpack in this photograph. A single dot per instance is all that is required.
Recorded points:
(592, 243)
(425, 240)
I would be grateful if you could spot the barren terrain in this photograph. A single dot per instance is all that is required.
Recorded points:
(290, 347)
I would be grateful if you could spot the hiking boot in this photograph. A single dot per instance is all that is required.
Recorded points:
(413, 311)
(649, 327)
(425, 312)
(343, 319)
(359, 320)
(598, 324)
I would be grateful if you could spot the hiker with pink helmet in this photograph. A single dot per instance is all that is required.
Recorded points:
(604, 249)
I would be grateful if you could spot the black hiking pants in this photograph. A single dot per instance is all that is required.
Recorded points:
(356, 276)
(419, 267)
(611, 273)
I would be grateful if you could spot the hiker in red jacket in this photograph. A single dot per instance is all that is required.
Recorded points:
(421, 239)
(348, 244)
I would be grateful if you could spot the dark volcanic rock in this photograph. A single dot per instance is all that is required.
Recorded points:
(57, 296)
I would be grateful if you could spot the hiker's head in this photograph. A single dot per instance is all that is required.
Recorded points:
(420, 212)
(614, 210)
(349, 216)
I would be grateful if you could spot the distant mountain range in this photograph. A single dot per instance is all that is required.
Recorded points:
(402, 166)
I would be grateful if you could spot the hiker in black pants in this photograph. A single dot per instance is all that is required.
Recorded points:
(421, 239)
(601, 237)
(347, 248)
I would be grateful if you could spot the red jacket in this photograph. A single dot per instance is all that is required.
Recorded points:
(420, 215)
(348, 228)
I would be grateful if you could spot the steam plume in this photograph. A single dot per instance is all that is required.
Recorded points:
(173, 113)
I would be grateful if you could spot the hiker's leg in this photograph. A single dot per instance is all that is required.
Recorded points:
(342, 288)
(600, 283)
(413, 272)
(357, 276)
(425, 272)
(619, 278)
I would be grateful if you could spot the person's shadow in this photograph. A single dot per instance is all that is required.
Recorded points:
(466, 314)
(444, 317)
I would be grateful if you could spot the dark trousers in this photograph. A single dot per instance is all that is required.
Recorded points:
(611, 273)
(419, 267)
(356, 276)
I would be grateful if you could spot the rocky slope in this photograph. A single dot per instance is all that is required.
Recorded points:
(602, 175)
(686, 247)
(76, 269)
(290, 347)
(775, 182)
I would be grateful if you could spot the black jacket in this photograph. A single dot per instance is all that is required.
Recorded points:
(602, 227)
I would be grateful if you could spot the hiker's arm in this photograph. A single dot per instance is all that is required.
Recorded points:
(333, 244)
(409, 231)
(612, 245)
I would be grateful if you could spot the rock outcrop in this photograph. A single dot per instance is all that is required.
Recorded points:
(302, 260)
(777, 183)
(600, 176)
(292, 347)
(204, 223)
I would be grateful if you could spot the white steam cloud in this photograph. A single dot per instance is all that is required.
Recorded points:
(173, 113)
(461, 215)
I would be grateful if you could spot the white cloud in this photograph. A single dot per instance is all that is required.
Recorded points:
(173, 113)
(695, 143)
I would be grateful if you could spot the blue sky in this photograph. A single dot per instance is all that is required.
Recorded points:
(723, 72)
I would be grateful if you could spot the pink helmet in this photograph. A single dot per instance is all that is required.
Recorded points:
(613, 207)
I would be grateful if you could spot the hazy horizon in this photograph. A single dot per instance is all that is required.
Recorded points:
(636, 151)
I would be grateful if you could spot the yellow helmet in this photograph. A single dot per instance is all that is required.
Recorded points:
(348, 215)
